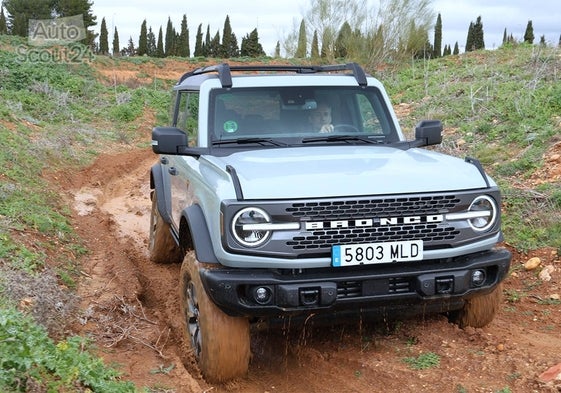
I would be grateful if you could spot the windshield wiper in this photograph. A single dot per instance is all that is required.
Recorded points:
(342, 138)
(243, 141)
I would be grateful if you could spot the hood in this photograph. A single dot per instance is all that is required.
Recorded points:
(314, 172)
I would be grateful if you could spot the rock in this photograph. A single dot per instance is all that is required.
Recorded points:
(554, 296)
(532, 263)
(553, 373)
(545, 274)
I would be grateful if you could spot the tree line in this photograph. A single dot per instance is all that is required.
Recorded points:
(329, 29)
(173, 43)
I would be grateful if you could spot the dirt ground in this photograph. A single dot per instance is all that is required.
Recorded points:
(130, 309)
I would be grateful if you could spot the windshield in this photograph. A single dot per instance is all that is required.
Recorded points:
(300, 115)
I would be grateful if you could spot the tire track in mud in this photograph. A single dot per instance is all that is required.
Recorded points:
(129, 302)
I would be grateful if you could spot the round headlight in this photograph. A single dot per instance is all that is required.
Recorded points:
(246, 226)
(485, 213)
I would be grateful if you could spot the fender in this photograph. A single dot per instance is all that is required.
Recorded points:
(193, 226)
(163, 194)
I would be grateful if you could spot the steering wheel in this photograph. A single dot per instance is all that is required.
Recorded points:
(345, 128)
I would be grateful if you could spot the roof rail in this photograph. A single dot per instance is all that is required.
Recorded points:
(225, 75)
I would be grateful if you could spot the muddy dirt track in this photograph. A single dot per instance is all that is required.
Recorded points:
(130, 309)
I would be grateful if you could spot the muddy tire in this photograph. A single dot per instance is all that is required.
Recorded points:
(221, 344)
(479, 311)
(161, 246)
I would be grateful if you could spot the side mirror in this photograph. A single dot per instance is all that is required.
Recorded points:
(429, 132)
(168, 140)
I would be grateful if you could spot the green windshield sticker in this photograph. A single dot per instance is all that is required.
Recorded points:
(230, 126)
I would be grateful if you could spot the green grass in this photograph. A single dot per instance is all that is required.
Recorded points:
(31, 361)
(423, 361)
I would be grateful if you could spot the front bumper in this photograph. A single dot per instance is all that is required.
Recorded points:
(440, 284)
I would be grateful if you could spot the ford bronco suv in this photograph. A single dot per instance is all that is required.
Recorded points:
(272, 217)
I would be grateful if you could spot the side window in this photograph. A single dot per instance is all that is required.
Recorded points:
(370, 121)
(188, 115)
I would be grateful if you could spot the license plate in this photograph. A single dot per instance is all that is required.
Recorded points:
(371, 253)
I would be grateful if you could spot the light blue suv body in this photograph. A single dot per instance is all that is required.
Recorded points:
(286, 219)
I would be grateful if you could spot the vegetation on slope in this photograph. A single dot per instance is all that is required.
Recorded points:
(503, 108)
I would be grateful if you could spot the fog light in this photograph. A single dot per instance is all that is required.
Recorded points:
(262, 295)
(478, 277)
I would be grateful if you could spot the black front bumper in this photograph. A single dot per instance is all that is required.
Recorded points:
(440, 284)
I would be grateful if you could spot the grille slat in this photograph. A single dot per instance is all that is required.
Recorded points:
(374, 207)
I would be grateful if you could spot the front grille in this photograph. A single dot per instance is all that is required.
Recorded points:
(332, 210)
(393, 285)
(349, 289)
(325, 222)
(323, 239)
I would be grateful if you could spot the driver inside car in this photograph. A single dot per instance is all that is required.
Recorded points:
(320, 118)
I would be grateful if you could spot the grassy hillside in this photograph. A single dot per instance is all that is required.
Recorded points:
(503, 107)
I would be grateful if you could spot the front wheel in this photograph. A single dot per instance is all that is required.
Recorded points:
(221, 343)
(479, 311)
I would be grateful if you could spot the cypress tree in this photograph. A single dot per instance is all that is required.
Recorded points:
(529, 33)
(183, 49)
(214, 49)
(469, 41)
(160, 45)
(207, 46)
(199, 42)
(277, 48)
(478, 39)
(342, 40)
(151, 43)
(116, 46)
(169, 37)
(314, 53)
(143, 40)
(456, 49)
(103, 38)
(438, 37)
(301, 49)
(254, 39)
(3, 23)
(250, 45)
(325, 45)
(229, 46)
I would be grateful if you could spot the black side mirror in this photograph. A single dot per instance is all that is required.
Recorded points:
(168, 140)
(429, 132)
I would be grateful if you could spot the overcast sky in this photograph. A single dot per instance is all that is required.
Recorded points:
(275, 19)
